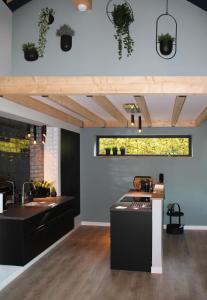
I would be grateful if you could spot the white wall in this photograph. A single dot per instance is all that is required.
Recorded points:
(94, 50)
(5, 39)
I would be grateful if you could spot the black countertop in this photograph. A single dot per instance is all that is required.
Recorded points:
(20, 212)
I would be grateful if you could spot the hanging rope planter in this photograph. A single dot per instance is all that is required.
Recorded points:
(166, 45)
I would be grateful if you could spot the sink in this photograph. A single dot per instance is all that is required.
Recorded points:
(40, 204)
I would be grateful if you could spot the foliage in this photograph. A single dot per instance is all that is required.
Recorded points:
(53, 189)
(122, 18)
(43, 184)
(165, 37)
(166, 146)
(65, 30)
(28, 47)
(14, 145)
(43, 28)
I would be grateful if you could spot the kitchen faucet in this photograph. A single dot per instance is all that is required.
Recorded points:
(23, 189)
(12, 183)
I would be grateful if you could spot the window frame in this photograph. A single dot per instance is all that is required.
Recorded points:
(98, 137)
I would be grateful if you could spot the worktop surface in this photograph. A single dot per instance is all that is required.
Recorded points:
(20, 212)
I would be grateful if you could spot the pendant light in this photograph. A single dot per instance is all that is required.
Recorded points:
(140, 124)
(44, 132)
(28, 133)
(132, 120)
(35, 135)
(83, 5)
(166, 45)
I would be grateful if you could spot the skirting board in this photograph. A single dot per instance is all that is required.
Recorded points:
(21, 270)
(191, 227)
(156, 270)
(103, 224)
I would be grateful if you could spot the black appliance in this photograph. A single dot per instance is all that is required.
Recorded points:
(135, 199)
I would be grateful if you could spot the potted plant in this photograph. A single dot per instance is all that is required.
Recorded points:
(66, 33)
(122, 16)
(123, 151)
(166, 43)
(108, 151)
(30, 51)
(46, 18)
(53, 192)
(115, 150)
(42, 188)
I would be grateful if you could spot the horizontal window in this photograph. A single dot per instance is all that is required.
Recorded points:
(168, 145)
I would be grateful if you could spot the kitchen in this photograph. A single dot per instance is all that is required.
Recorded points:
(105, 179)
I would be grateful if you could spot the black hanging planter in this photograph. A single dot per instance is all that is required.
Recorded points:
(166, 47)
(31, 55)
(50, 19)
(66, 42)
(108, 151)
(115, 151)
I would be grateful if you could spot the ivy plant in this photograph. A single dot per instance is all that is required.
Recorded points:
(123, 16)
(43, 25)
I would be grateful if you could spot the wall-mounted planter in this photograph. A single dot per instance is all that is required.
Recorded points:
(66, 42)
(31, 55)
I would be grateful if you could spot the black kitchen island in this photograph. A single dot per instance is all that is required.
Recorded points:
(26, 231)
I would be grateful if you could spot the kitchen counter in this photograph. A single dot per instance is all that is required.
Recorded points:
(20, 212)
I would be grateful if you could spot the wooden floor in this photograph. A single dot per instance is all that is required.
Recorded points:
(78, 269)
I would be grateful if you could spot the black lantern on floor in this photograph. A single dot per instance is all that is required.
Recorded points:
(166, 45)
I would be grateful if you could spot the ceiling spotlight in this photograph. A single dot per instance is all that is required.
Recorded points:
(83, 5)
(140, 124)
(132, 120)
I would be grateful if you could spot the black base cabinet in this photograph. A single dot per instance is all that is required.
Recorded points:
(22, 240)
(131, 240)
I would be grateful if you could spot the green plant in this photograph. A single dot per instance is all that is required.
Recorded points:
(122, 18)
(28, 47)
(53, 189)
(43, 28)
(122, 148)
(43, 184)
(114, 148)
(65, 30)
(165, 37)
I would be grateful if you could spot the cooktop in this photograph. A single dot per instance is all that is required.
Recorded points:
(135, 199)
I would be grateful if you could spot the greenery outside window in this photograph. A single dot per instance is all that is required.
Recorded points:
(149, 145)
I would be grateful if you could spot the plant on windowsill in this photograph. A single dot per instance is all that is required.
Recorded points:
(30, 51)
(108, 151)
(46, 18)
(123, 151)
(42, 188)
(115, 151)
(65, 32)
(53, 192)
(122, 18)
(166, 43)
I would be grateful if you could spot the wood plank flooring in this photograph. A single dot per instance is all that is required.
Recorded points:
(79, 269)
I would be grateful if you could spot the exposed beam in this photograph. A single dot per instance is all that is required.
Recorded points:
(178, 106)
(75, 107)
(201, 117)
(43, 108)
(104, 103)
(131, 85)
(144, 109)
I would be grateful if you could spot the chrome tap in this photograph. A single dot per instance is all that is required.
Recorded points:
(12, 183)
(23, 189)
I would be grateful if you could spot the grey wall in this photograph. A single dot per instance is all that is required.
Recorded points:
(5, 39)
(104, 180)
(94, 49)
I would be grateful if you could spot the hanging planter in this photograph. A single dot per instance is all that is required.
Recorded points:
(30, 52)
(115, 151)
(122, 17)
(166, 45)
(46, 18)
(65, 32)
(108, 151)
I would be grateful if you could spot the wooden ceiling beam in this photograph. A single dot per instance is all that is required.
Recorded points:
(105, 104)
(201, 117)
(43, 108)
(178, 106)
(141, 102)
(75, 107)
(112, 85)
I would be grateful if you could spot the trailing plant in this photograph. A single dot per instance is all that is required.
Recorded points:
(65, 30)
(122, 18)
(29, 47)
(43, 24)
(166, 37)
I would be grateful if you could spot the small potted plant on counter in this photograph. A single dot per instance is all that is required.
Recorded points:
(166, 43)
(30, 51)
(66, 33)
(53, 192)
(123, 151)
(115, 151)
(108, 151)
(42, 188)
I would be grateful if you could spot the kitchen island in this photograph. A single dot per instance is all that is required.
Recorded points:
(27, 230)
(136, 231)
